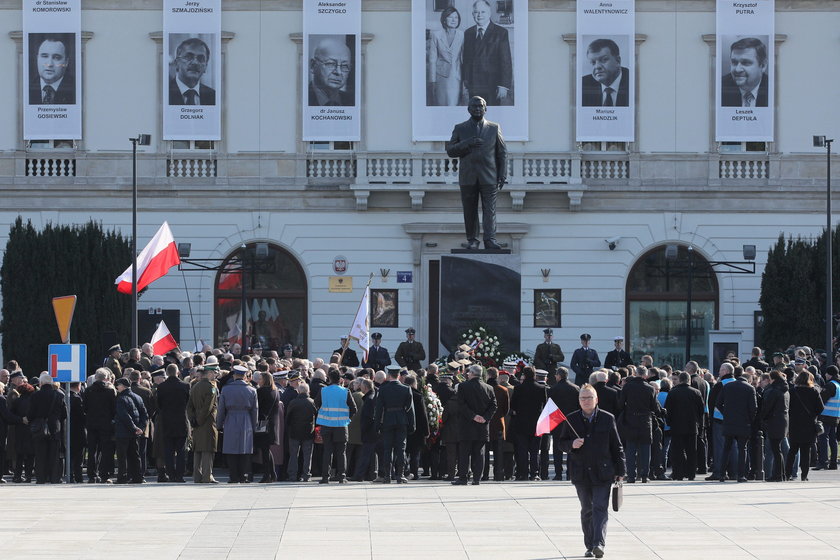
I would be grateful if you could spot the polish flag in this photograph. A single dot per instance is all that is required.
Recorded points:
(154, 261)
(162, 340)
(550, 418)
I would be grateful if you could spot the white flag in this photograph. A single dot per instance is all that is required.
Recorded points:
(360, 332)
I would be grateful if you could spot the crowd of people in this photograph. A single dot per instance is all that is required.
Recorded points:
(288, 419)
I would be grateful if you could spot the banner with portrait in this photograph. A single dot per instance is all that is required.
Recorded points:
(192, 68)
(332, 77)
(606, 70)
(465, 48)
(744, 97)
(52, 70)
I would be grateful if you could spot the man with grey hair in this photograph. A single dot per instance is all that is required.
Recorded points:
(726, 373)
(684, 407)
(100, 408)
(637, 405)
(476, 406)
(329, 69)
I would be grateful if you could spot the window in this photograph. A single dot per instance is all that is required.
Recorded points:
(193, 144)
(333, 146)
(603, 146)
(657, 301)
(740, 147)
(36, 145)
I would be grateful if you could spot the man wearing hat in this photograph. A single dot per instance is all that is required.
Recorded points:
(350, 359)
(617, 357)
(378, 356)
(410, 353)
(201, 411)
(112, 362)
(584, 360)
(548, 355)
(237, 418)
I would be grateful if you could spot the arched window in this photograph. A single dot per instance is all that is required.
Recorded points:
(657, 297)
(275, 292)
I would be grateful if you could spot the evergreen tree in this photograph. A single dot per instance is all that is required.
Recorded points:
(58, 261)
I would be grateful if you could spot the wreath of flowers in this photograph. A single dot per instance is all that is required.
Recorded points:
(486, 345)
(434, 409)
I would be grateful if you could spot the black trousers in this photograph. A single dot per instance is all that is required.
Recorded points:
(239, 466)
(46, 458)
(778, 458)
(393, 442)
(804, 450)
(684, 455)
(77, 453)
(527, 456)
(128, 459)
(100, 453)
(702, 455)
(176, 456)
(335, 444)
(495, 445)
(469, 199)
(594, 502)
(471, 454)
(267, 463)
(742, 442)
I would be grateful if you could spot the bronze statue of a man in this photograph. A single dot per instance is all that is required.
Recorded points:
(482, 170)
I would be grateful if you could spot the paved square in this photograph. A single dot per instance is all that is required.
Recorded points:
(428, 520)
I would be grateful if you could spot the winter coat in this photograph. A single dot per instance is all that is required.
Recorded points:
(367, 418)
(737, 401)
(100, 406)
(20, 407)
(47, 404)
(172, 398)
(476, 398)
(300, 418)
(449, 429)
(130, 415)
(421, 419)
(202, 409)
(237, 417)
(271, 409)
(684, 410)
(637, 405)
(526, 405)
(354, 429)
(773, 412)
(805, 406)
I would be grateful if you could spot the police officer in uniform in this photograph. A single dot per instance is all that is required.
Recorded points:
(584, 361)
(378, 356)
(548, 356)
(410, 353)
(617, 357)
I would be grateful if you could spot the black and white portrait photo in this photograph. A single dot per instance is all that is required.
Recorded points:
(744, 65)
(469, 52)
(52, 79)
(191, 74)
(606, 80)
(331, 71)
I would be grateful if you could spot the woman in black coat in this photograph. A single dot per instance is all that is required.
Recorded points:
(24, 447)
(269, 406)
(773, 414)
(47, 407)
(805, 406)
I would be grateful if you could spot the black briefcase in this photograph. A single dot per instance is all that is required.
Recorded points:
(617, 495)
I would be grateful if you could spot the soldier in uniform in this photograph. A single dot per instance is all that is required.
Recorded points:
(394, 418)
(201, 411)
(410, 353)
(584, 361)
(237, 416)
(112, 362)
(617, 357)
(378, 356)
(548, 356)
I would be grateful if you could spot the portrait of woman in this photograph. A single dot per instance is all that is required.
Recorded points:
(445, 53)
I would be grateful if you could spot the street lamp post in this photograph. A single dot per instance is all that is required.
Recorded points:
(820, 142)
(140, 140)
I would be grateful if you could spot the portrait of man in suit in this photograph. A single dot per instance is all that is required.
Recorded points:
(330, 68)
(51, 80)
(185, 88)
(487, 68)
(608, 84)
(745, 85)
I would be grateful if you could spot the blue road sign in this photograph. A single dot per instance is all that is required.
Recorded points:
(67, 362)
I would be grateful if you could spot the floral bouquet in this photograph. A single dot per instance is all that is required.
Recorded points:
(485, 344)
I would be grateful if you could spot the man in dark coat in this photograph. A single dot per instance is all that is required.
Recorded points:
(565, 396)
(596, 459)
(548, 356)
(99, 406)
(773, 416)
(416, 440)
(47, 406)
(527, 403)
(737, 402)
(607, 394)
(173, 395)
(410, 353)
(378, 357)
(697, 381)
(6, 419)
(637, 405)
(498, 428)
(616, 358)
(151, 409)
(350, 359)
(756, 361)
(584, 361)
(77, 431)
(684, 408)
(367, 419)
(476, 406)
(130, 418)
(394, 417)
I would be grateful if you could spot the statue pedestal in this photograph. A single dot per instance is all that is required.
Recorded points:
(479, 287)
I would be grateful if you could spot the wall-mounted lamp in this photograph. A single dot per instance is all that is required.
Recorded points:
(384, 272)
(545, 273)
(431, 244)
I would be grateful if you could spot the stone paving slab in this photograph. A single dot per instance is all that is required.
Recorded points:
(422, 520)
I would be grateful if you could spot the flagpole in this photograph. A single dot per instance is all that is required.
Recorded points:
(133, 242)
(347, 339)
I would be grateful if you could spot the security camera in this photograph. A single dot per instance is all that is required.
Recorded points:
(612, 242)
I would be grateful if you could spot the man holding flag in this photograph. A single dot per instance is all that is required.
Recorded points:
(596, 460)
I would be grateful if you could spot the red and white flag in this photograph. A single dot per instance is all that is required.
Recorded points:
(550, 418)
(162, 340)
(154, 261)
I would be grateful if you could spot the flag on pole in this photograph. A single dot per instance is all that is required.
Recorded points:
(162, 340)
(360, 332)
(550, 418)
(154, 261)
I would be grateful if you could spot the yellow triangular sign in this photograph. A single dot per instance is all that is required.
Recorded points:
(64, 307)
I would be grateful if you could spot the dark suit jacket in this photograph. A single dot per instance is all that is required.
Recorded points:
(207, 95)
(617, 359)
(601, 458)
(345, 99)
(64, 95)
(487, 64)
(394, 406)
(730, 94)
(483, 165)
(475, 398)
(172, 398)
(591, 95)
